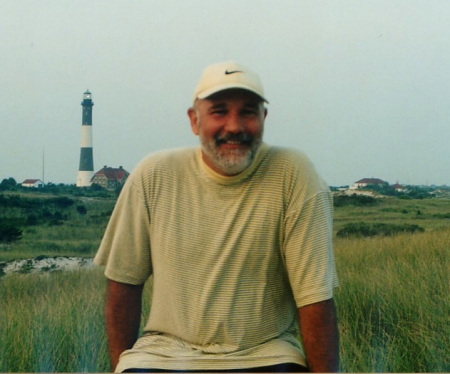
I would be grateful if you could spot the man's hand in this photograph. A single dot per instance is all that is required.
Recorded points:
(318, 325)
(123, 317)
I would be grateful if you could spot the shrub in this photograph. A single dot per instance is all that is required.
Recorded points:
(46, 214)
(362, 229)
(62, 202)
(357, 200)
(441, 215)
(32, 220)
(8, 184)
(10, 233)
(81, 209)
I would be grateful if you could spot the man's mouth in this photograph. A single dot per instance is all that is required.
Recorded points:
(235, 140)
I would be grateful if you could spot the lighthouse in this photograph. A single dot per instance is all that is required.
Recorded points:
(86, 169)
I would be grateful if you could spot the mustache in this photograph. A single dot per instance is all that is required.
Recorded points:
(240, 137)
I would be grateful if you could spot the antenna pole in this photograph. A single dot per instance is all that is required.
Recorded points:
(43, 165)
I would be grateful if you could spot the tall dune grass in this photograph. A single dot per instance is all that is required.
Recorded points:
(53, 322)
(393, 305)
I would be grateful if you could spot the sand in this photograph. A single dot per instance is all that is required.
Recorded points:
(44, 264)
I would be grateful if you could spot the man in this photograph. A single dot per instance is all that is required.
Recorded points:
(237, 237)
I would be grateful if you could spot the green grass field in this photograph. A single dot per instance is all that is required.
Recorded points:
(393, 301)
(69, 234)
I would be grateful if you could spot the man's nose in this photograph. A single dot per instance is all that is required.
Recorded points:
(234, 123)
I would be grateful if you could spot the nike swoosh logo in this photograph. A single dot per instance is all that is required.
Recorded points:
(232, 72)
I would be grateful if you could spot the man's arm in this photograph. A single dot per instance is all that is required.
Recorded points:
(123, 317)
(318, 325)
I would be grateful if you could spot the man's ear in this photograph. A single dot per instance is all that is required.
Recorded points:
(193, 117)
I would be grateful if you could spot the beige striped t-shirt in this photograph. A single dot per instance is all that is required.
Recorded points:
(232, 258)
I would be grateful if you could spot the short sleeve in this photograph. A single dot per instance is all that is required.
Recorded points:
(125, 247)
(308, 250)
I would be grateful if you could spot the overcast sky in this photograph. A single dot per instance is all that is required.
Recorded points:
(362, 87)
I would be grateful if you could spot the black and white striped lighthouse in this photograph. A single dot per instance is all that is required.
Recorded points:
(86, 169)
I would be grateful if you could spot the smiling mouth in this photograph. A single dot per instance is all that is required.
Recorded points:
(235, 140)
(233, 144)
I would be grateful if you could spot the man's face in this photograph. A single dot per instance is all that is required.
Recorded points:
(230, 125)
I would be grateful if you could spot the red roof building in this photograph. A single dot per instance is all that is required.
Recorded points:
(110, 178)
(399, 188)
(32, 183)
(365, 182)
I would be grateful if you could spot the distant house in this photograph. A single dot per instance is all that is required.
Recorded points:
(110, 178)
(32, 183)
(399, 188)
(367, 182)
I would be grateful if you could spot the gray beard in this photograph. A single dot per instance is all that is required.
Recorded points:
(232, 162)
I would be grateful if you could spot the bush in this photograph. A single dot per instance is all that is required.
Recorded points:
(81, 209)
(441, 215)
(10, 233)
(8, 184)
(356, 200)
(55, 222)
(62, 202)
(361, 229)
(32, 220)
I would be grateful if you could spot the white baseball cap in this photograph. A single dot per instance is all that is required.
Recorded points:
(226, 75)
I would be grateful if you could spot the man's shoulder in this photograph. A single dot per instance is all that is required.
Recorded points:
(166, 156)
(163, 163)
(295, 167)
(290, 157)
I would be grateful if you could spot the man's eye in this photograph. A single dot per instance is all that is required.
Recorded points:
(219, 112)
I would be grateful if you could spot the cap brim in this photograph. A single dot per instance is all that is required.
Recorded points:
(207, 93)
